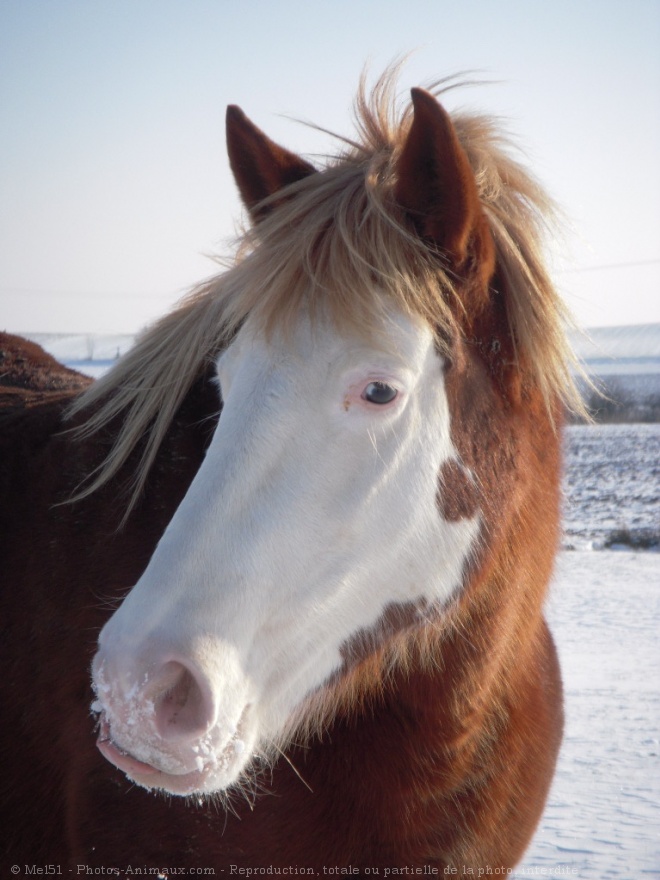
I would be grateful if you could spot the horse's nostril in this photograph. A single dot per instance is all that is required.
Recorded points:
(183, 706)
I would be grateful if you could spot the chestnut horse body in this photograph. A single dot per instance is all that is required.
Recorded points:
(324, 508)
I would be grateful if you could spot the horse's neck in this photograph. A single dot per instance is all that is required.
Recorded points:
(457, 669)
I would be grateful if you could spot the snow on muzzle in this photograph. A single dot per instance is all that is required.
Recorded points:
(169, 726)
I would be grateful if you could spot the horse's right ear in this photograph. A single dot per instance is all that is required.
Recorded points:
(260, 166)
(436, 185)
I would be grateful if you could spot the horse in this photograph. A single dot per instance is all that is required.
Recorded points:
(301, 533)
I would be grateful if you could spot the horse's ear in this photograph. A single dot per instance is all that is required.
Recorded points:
(260, 166)
(436, 185)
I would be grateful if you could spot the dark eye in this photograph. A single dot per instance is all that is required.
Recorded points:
(379, 392)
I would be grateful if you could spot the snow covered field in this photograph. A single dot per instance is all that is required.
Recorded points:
(612, 487)
(603, 816)
(602, 819)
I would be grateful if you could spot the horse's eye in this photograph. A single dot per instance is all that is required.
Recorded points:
(379, 392)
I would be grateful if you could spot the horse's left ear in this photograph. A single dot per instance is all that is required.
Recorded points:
(436, 185)
(260, 166)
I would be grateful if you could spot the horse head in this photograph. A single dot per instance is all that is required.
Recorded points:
(340, 502)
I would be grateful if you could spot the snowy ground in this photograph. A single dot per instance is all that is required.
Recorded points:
(603, 815)
(612, 486)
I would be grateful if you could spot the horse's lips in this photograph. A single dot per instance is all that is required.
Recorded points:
(147, 775)
(121, 759)
(139, 771)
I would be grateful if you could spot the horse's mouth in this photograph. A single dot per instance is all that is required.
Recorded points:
(120, 757)
(144, 774)
(149, 776)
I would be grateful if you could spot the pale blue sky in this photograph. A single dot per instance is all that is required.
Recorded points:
(114, 182)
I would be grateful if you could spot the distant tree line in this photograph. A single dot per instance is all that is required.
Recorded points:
(611, 403)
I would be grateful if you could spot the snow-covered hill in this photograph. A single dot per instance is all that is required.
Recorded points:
(624, 364)
(603, 350)
(623, 361)
(628, 349)
(90, 353)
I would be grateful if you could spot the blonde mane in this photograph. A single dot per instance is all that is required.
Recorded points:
(330, 247)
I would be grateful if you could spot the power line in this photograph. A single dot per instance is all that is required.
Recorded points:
(86, 294)
(604, 266)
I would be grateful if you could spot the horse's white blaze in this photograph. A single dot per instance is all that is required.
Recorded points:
(312, 512)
